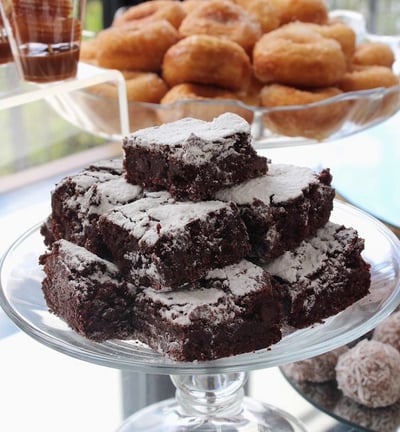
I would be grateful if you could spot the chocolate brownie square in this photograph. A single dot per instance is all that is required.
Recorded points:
(234, 310)
(79, 200)
(322, 276)
(282, 208)
(87, 292)
(193, 158)
(158, 242)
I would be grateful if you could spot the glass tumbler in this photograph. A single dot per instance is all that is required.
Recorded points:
(45, 37)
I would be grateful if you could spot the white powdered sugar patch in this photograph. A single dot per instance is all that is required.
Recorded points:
(241, 278)
(369, 373)
(282, 182)
(84, 181)
(216, 301)
(195, 141)
(100, 191)
(108, 164)
(77, 257)
(182, 306)
(148, 219)
(105, 196)
(144, 267)
(307, 258)
(87, 179)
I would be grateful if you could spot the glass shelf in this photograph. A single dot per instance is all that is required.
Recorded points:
(87, 76)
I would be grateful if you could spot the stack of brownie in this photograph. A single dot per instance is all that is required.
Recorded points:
(196, 245)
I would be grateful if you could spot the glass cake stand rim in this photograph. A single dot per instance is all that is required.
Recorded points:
(30, 314)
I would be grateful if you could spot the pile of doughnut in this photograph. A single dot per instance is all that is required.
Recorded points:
(263, 53)
(367, 372)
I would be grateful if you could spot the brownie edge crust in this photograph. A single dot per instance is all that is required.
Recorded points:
(322, 276)
(87, 292)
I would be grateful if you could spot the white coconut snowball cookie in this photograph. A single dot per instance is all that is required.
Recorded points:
(388, 331)
(316, 369)
(369, 373)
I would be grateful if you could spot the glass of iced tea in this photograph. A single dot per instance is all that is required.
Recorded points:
(45, 37)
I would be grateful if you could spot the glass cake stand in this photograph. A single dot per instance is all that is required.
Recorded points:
(209, 395)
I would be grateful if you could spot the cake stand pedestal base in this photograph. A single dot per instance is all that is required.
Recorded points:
(211, 403)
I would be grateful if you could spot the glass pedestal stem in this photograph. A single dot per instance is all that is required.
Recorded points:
(211, 403)
(210, 396)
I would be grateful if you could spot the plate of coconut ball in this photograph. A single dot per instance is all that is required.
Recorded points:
(357, 384)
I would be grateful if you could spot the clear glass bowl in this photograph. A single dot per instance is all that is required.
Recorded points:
(333, 118)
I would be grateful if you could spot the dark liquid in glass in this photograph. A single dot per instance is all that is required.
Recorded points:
(5, 49)
(45, 63)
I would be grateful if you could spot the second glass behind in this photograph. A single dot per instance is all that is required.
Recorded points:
(45, 37)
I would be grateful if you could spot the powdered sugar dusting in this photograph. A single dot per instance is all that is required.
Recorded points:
(149, 218)
(282, 183)
(241, 278)
(111, 165)
(183, 305)
(182, 131)
(79, 258)
(87, 182)
(86, 179)
(102, 197)
(195, 141)
(307, 258)
(215, 299)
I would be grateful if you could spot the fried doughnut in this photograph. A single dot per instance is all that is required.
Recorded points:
(88, 51)
(139, 48)
(192, 94)
(263, 11)
(342, 33)
(368, 77)
(203, 59)
(190, 5)
(314, 11)
(140, 87)
(313, 121)
(336, 30)
(154, 10)
(224, 19)
(373, 54)
(299, 57)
